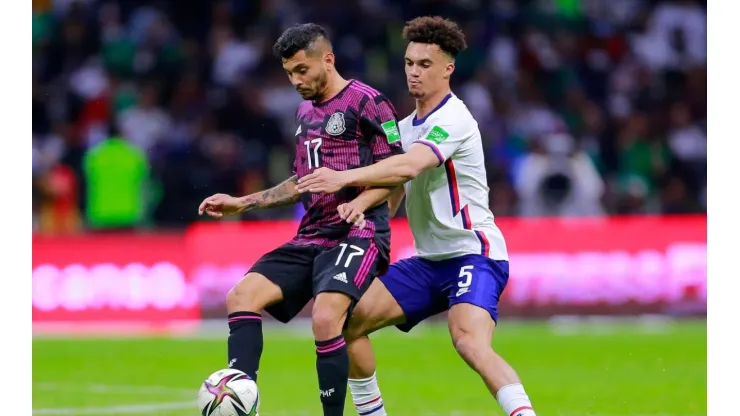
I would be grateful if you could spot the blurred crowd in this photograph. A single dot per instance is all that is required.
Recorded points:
(143, 108)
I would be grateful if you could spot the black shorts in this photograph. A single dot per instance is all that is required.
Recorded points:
(304, 271)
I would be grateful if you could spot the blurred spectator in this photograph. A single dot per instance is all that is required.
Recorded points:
(558, 180)
(117, 173)
(586, 107)
(145, 124)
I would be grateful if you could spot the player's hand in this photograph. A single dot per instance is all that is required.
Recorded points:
(219, 205)
(322, 180)
(352, 214)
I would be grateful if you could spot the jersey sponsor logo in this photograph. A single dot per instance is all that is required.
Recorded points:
(342, 277)
(437, 135)
(391, 131)
(336, 126)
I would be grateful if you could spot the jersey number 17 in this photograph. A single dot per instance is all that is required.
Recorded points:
(313, 157)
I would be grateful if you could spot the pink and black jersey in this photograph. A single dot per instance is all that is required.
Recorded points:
(345, 132)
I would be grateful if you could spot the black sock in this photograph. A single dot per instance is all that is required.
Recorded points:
(332, 366)
(245, 342)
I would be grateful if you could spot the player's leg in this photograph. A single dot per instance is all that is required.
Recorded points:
(376, 309)
(341, 276)
(279, 282)
(401, 297)
(474, 308)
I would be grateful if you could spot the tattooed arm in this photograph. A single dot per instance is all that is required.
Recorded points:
(277, 196)
(221, 204)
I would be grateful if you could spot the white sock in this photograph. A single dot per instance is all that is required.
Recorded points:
(366, 396)
(515, 401)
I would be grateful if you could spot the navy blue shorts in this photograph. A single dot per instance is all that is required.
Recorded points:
(424, 288)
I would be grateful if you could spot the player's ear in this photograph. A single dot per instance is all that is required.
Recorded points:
(449, 70)
(329, 60)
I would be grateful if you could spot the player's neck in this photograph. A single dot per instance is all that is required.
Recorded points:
(335, 85)
(426, 105)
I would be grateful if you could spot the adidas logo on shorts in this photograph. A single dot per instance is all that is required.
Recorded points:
(342, 277)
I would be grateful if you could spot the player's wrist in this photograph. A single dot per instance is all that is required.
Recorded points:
(351, 178)
(245, 204)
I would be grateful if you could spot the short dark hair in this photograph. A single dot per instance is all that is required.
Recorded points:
(296, 38)
(436, 31)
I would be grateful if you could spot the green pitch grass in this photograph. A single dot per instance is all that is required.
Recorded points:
(610, 370)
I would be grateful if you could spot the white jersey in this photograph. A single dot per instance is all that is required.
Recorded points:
(447, 206)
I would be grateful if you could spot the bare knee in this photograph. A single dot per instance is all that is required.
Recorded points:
(472, 349)
(360, 323)
(376, 309)
(471, 329)
(252, 294)
(329, 314)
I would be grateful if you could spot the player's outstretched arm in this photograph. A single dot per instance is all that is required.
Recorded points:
(395, 170)
(391, 172)
(283, 194)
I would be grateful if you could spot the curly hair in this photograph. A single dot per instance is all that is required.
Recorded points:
(437, 31)
(296, 38)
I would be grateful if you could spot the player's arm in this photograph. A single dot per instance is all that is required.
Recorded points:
(440, 143)
(354, 211)
(394, 201)
(280, 195)
(395, 170)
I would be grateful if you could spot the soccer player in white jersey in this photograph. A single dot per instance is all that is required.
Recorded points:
(462, 263)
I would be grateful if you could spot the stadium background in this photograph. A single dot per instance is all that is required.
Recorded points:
(593, 116)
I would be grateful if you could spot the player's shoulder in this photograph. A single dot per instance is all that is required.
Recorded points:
(454, 117)
(304, 107)
(455, 111)
(365, 93)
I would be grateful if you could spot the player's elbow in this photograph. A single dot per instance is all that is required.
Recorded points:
(409, 171)
(412, 166)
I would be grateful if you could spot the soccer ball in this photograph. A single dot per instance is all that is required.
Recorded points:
(229, 392)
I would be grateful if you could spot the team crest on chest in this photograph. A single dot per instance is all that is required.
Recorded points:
(336, 126)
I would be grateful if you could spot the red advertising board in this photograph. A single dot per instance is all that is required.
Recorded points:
(616, 265)
(104, 278)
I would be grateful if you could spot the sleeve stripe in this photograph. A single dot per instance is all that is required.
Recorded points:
(434, 149)
(366, 90)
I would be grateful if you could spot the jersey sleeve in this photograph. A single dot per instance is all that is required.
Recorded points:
(444, 138)
(379, 123)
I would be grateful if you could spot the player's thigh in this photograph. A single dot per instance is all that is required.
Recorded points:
(283, 277)
(376, 309)
(347, 269)
(412, 284)
(474, 296)
(253, 293)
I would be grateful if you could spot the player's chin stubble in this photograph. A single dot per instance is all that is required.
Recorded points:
(316, 92)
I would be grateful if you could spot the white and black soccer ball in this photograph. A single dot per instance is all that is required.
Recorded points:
(229, 392)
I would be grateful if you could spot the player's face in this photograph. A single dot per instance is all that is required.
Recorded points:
(428, 69)
(308, 73)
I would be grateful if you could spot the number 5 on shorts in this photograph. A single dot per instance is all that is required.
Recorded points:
(466, 278)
